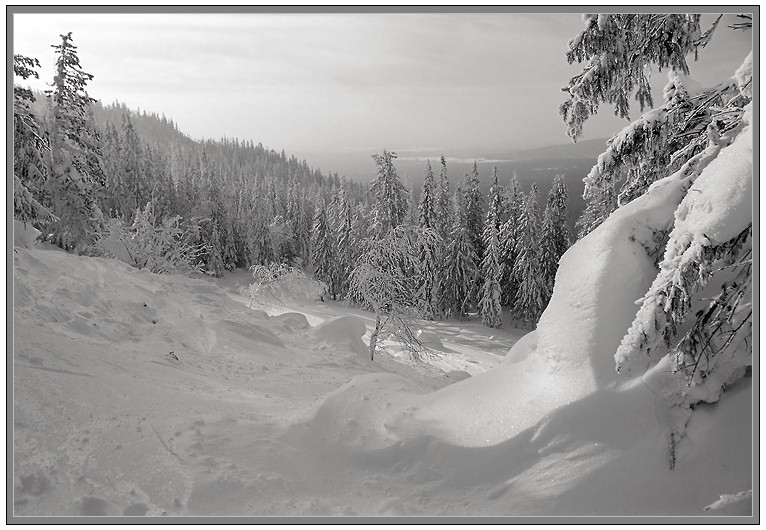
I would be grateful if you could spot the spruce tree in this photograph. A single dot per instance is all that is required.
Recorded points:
(342, 227)
(556, 237)
(76, 178)
(443, 202)
(508, 235)
(430, 249)
(134, 187)
(427, 206)
(527, 270)
(473, 207)
(391, 197)
(323, 250)
(29, 150)
(458, 278)
(489, 305)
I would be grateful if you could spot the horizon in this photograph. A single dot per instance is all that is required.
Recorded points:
(340, 83)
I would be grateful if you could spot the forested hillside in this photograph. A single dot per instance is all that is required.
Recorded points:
(234, 204)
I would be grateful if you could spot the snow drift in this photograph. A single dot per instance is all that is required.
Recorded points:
(259, 415)
(595, 430)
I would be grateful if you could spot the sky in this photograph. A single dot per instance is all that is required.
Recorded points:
(344, 82)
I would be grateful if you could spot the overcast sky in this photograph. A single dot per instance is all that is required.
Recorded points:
(304, 82)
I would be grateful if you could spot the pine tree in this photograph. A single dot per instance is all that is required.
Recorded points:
(323, 250)
(473, 206)
(134, 187)
(427, 206)
(359, 233)
(391, 197)
(76, 178)
(111, 149)
(508, 236)
(29, 150)
(342, 227)
(429, 248)
(556, 237)
(527, 269)
(443, 204)
(458, 278)
(489, 304)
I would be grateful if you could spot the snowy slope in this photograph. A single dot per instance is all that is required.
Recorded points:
(271, 415)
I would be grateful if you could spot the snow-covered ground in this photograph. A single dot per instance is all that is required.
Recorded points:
(284, 414)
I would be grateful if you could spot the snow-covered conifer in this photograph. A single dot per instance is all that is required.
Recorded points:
(460, 270)
(443, 202)
(616, 49)
(527, 271)
(29, 147)
(489, 305)
(473, 206)
(342, 222)
(76, 177)
(391, 197)
(513, 206)
(429, 248)
(556, 237)
(323, 250)
(427, 204)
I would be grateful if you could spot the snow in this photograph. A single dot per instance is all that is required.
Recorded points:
(279, 415)
(716, 209)
(744, 76)
(721, 206)
(344, 331)
(24, 235)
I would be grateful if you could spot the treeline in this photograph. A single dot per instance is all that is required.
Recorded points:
(80, 167)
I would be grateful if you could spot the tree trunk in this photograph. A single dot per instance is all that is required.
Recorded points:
(374, 337)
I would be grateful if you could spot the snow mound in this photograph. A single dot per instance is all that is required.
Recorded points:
(522, 348)
(344, 331)
(356, 415)
(593, 305)
(292, 321)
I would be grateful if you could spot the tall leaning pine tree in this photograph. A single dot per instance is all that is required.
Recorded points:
(77, 177)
